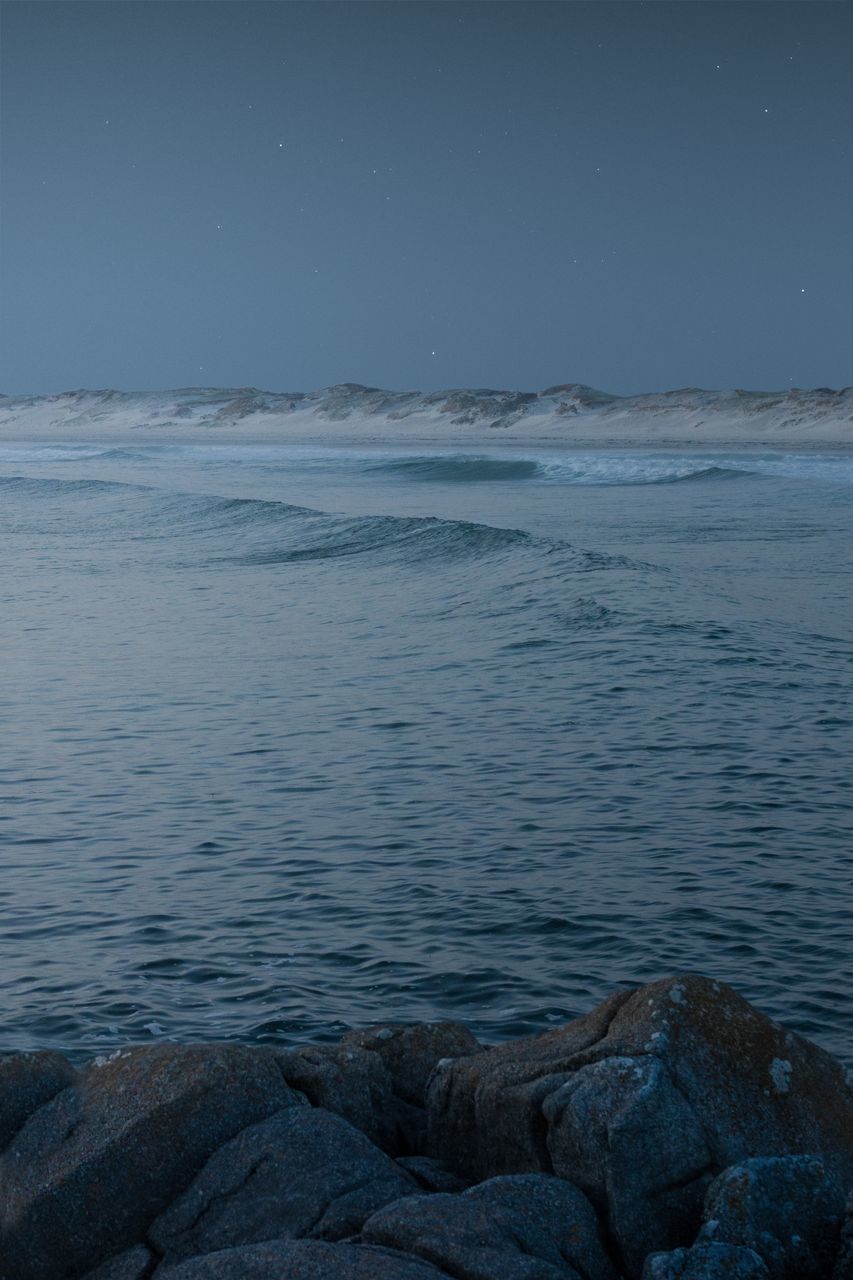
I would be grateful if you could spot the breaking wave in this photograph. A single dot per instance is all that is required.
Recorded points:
(454, 469)
(257, 531)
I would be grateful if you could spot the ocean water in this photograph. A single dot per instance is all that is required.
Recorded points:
(298, 739)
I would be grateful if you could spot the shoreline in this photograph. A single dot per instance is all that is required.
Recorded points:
(488, 439)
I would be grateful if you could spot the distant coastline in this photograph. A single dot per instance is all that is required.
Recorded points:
(565, 416)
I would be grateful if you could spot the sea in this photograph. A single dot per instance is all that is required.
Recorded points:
(297, 739)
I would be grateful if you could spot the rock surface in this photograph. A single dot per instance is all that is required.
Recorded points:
(632, 1141)
(706, 1262)
(786, 1209)
(431, 1174)
(301, 1260)
(92, 1168)
(348, 1080)
(410, 1053)
(641, 1102)
(303, 1172)
(844, 1262)
(528, 1227)
(27, 1081)
(134, 1264)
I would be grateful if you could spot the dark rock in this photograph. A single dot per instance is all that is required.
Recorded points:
(786, 1209)
(641, 1102)
(706, 1262)
(844, 1262)
(530, 1227)
(92, 1168)
(628, 1138)
(410, 1052)
(304, 1172)
(137, 1263)
(27, 1082)
(485, 1111)
(431, 1174)
(301, 1260)
(410, 1127)
(348, 1080)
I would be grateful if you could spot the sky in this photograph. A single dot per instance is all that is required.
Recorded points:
(637, 196)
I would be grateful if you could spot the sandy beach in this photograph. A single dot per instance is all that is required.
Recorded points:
(570, 417)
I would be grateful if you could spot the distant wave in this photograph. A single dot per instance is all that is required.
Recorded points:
(588, 467)
(583, 469)
(330, 537)
(706, 473)
(456, 468)
(255, 531)
(50, 486)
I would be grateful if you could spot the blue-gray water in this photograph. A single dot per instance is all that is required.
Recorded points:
(295, 739)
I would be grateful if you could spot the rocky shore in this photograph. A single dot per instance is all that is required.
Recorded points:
(673, 1133)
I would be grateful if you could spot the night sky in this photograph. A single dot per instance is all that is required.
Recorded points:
(421, 195)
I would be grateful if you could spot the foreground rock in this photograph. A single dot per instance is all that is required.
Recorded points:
(642, 1103)
(410, 1055)
(302, 1260)
(303, 1172)
(787, 1209)
(27, 1082)
(350, 1081)
(706, 1262)
(674, 1133)
(136, 1263)
(90, 1169)
(528, 1227)
(844, 1263)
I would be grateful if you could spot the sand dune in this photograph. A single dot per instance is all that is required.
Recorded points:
(569, 414)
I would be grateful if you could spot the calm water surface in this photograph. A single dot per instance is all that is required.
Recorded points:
(295, 740)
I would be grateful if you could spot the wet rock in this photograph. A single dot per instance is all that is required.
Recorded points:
(530, 1227)
(91, 1169)
(410, 1053)
(304, 1172)
(301, 1260)
(27, 1082)
(706, 1262)
(787, 1209)
(431, 1174)
(137, 1263)
(716, 1082)
(348, 1080)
